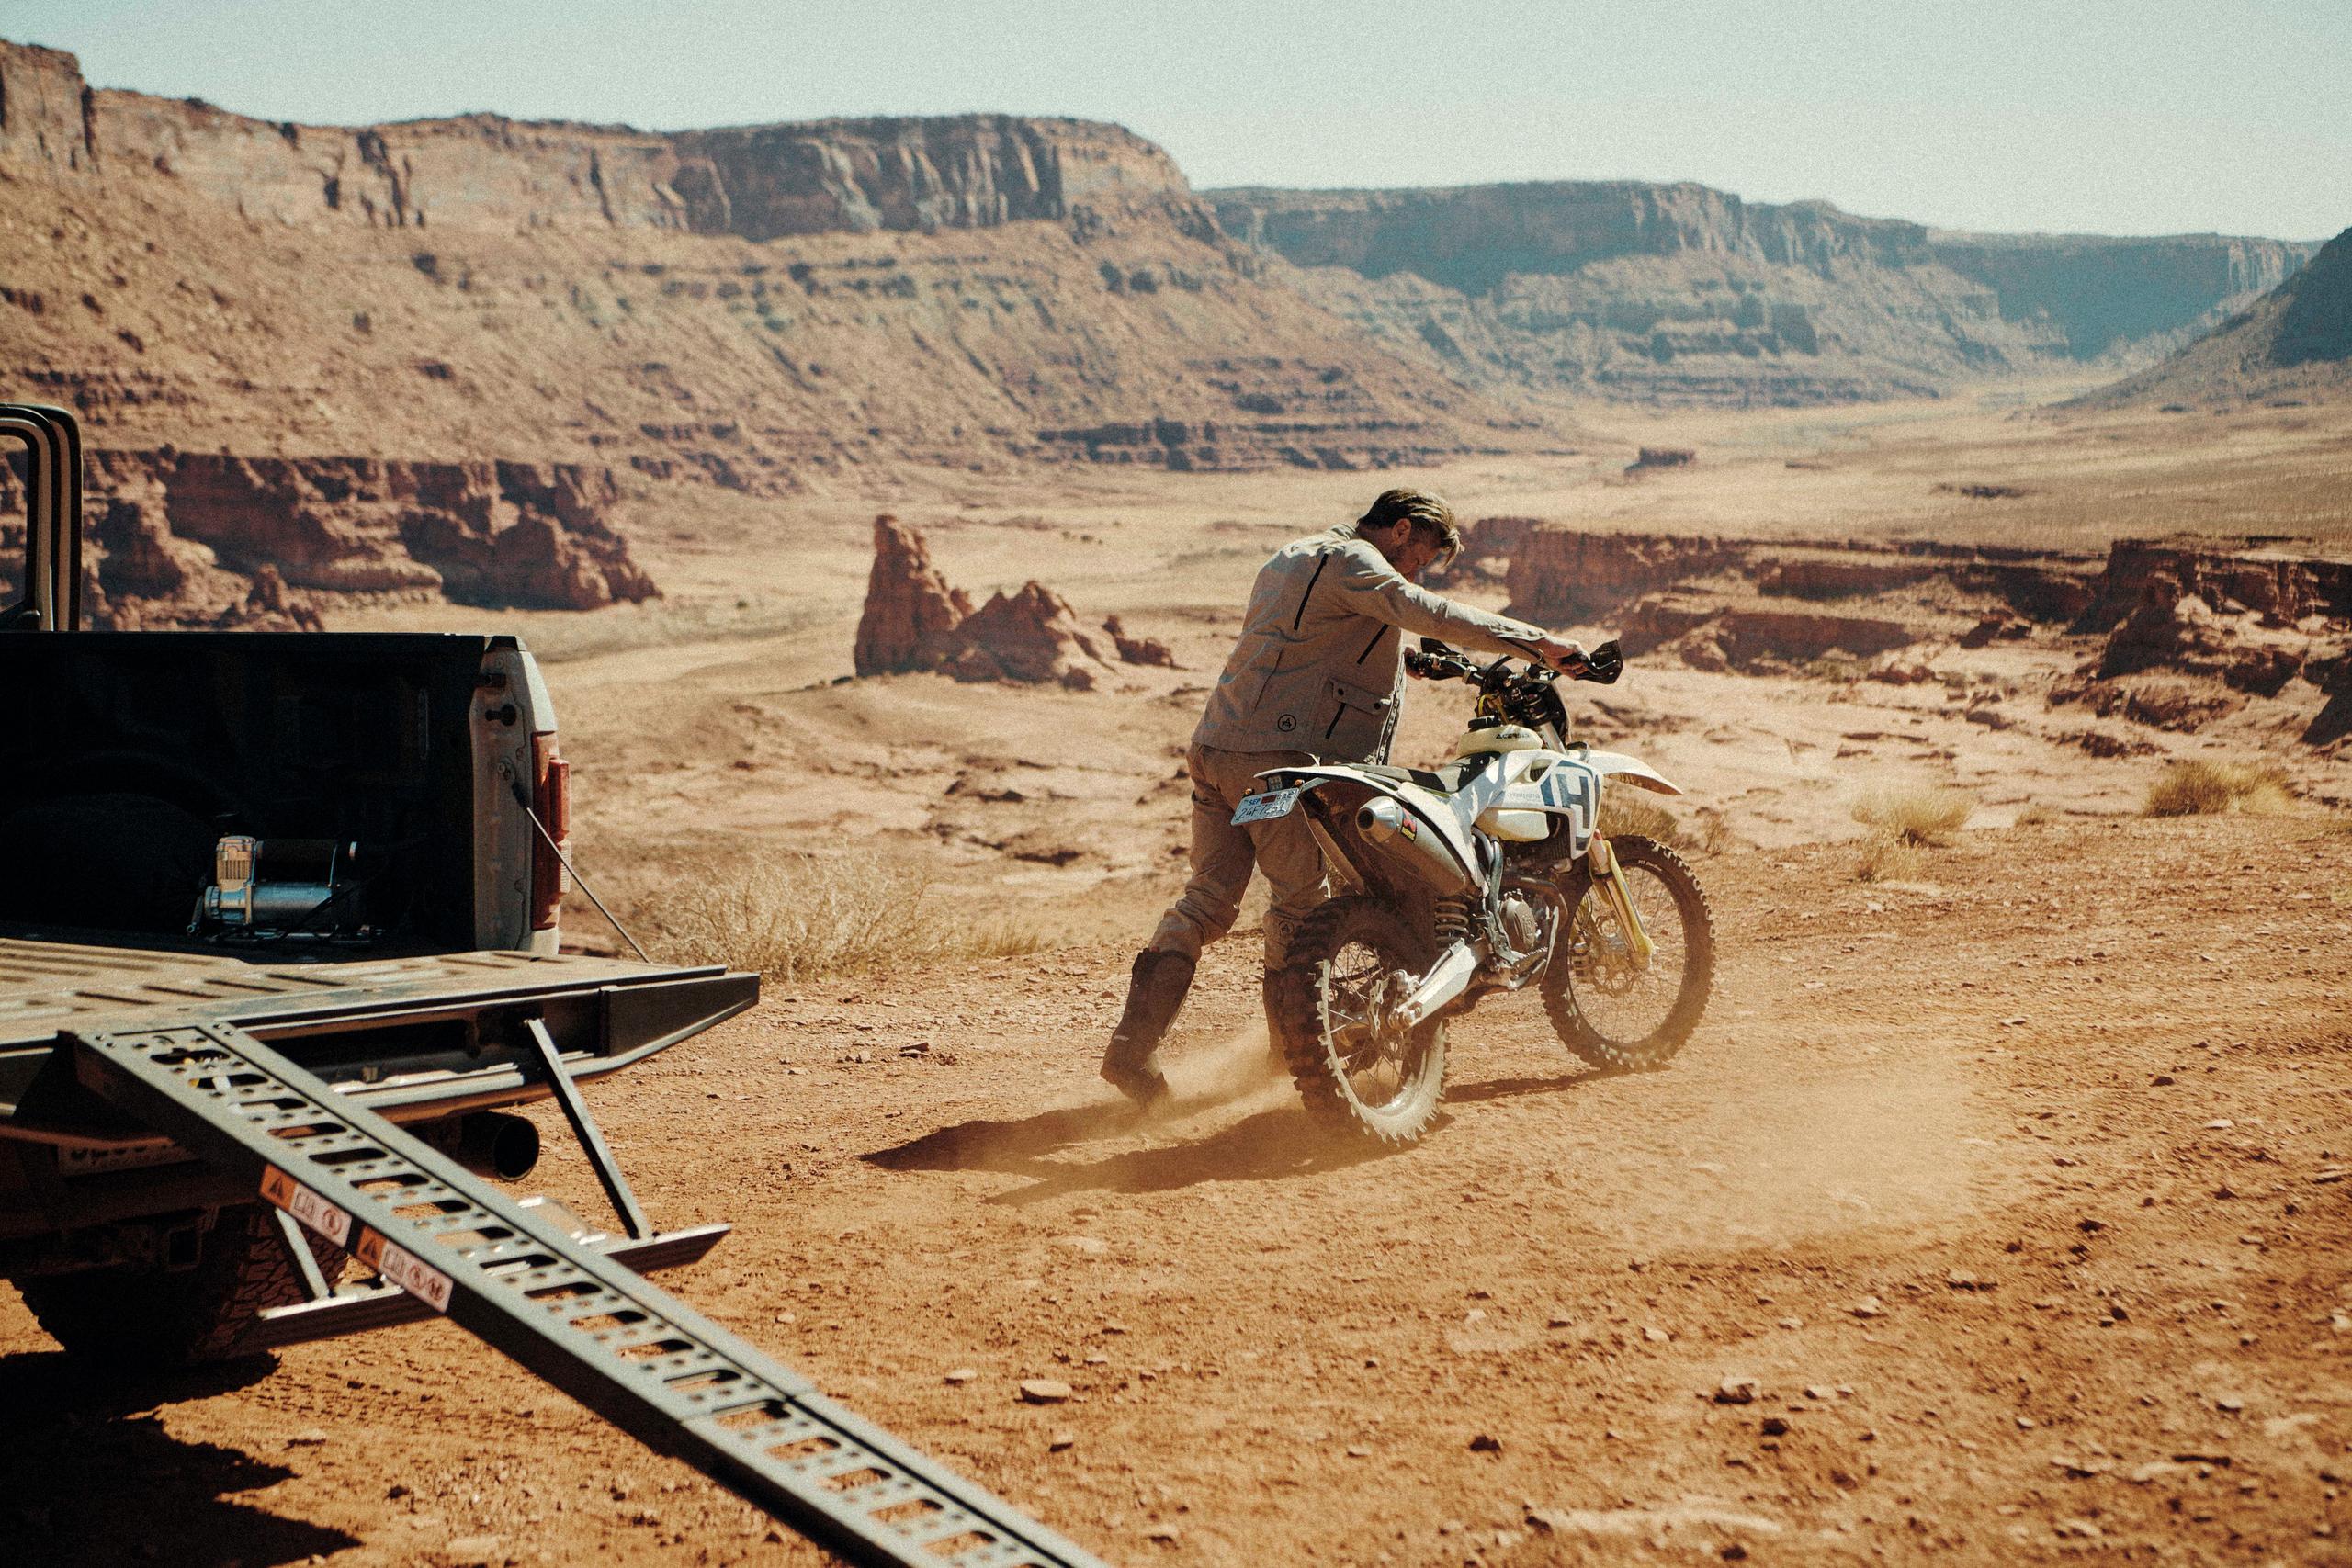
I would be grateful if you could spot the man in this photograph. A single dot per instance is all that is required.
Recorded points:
(1318, 673)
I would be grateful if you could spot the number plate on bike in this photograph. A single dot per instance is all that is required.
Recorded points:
(1258, 808)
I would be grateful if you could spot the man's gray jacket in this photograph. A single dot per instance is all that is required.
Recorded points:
(1320, 665)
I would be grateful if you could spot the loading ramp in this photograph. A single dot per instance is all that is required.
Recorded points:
(565, 1308)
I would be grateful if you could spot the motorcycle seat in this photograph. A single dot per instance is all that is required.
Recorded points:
(1445, 780)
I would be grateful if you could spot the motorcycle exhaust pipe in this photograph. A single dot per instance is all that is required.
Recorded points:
(489, 1143)
(1389, 827)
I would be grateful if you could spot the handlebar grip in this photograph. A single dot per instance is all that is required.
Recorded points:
(1602, 665)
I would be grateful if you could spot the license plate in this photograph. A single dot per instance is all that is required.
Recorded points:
(1258, 808)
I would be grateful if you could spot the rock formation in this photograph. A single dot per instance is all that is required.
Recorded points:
(2173, 633)
(909, 605)
(914, 621)
(1678, 293)
(744, 307)
(1029, 637)
(1137, 649)
(2252, 620)
(2295, 342)
(185, 538)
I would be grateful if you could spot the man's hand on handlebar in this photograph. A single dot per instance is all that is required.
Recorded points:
(1565, 656)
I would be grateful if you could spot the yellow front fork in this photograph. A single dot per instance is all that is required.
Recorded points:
(1608, 880)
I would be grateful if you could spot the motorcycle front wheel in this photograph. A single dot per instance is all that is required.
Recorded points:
(1350, 963)
(1606, 1005)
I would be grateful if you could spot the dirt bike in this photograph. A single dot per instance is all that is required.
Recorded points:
(1480, 877)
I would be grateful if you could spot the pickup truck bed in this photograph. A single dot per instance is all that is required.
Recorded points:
(413, 1039)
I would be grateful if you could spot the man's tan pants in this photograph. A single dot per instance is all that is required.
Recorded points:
(1222, 856)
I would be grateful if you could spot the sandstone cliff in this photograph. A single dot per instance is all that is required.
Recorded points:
(2295, 343)
(757, 308)
(190, 539)
(1679, 293)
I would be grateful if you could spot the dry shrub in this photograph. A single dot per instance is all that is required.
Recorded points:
(1915, 817)
(1624, 810)
(2209, 789)
(1886, 858)
(794, 917)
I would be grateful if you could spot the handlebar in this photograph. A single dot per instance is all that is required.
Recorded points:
(1433, 660)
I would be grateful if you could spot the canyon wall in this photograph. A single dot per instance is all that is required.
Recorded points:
(2293, 345)
(1678, 293)
(199, 539)
(765, 308)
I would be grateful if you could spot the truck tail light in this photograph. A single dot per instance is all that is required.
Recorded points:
(551, 799)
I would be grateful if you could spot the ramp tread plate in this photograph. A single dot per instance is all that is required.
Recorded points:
(563, 1309)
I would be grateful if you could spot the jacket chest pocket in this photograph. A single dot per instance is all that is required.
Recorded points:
(1355, 720)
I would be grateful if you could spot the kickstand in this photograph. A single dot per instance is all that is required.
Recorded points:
(583, 1127)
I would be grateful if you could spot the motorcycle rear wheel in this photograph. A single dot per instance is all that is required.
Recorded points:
(1607, 1012)
(1349, 961)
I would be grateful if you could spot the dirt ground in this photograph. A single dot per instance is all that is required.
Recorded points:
(1999, 1214)
(1996, 1216)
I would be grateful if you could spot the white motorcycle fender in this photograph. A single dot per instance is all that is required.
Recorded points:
(1634, 772)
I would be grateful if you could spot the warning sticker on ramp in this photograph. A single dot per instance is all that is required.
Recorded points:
(404, 1269)
(306, 1206)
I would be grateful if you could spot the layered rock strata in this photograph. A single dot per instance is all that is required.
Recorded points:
(754, 307)
(192, 538)
(1678, 293)
(2173, 633)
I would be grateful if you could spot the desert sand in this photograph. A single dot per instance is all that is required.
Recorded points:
(1993, 1214)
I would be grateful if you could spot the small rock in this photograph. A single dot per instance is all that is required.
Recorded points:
(1655, 1336)
(1793, 1323)
(1818, 1391)
(1775, 1427)
(1868, 1306)
(1165, 1533)
(308, 1438)
(2025, 1423)
(1559, 1320)
(1045, 1391)
(1483, 1444)
(1357, 1450)
(2220, 1124)
(1737, 1391)
(2229, 1402)
(2013, 1023)
(1061, 1440)
(957, 1377)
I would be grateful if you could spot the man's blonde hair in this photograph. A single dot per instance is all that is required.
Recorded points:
(1425, 511)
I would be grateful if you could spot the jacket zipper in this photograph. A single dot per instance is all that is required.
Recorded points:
(1321, 562)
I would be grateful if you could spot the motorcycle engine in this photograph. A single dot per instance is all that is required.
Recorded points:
(1520, 927)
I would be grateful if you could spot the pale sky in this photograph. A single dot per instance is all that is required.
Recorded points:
(2089, 116)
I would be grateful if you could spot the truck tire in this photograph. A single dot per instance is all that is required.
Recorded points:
(152, 1320)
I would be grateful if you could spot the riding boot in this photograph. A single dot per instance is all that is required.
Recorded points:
(1156, 989)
